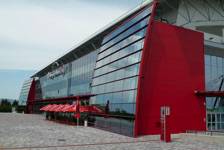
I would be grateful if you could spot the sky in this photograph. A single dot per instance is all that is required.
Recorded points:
(33, 33)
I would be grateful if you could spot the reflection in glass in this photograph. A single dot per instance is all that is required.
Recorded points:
(116, 75)
(75, 79)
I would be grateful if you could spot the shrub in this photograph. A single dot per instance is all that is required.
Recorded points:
(20, 109)
(5, 108)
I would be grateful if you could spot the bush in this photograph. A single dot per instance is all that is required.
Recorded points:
(20, 109)
(5, 108)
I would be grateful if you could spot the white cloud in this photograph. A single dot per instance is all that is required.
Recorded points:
(34, 34)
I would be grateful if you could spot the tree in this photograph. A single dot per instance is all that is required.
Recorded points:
(5, 102)
(15, 103)
(5, 106)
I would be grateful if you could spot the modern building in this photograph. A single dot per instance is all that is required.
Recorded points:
(156, 55)
(25, 92)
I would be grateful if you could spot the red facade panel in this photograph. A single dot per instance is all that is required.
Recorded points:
(31, 97)
(173, 69)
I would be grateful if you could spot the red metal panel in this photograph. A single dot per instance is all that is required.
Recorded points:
(210, 93)
(173, 68)
(141, 70)
(31, 97)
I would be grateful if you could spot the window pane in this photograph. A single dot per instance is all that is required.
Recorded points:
(129, 96)
(127, 33)
(127, 25)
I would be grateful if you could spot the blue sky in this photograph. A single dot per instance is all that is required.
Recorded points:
(33, 33)
(11, 81)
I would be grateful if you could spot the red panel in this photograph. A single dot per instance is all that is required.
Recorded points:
(141, 70)
(210, 93)
(30, 98)
(173, 69)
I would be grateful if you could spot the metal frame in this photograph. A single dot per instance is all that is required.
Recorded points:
(215, 122)
(188, 8)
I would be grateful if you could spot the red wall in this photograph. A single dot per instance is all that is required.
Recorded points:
(31, 98)
(172, 68)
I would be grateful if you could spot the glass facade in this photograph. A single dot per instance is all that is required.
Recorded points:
(53, 85)
(70, 79)
(214, 71)
(116, 74)
(215, 120)
(24, 92)
(82, 73)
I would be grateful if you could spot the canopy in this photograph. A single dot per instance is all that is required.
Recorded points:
(52, 108)
(66, 106)
(58, 109)
(95, 109)
(92, 109)
(74, 108)
(45, 107)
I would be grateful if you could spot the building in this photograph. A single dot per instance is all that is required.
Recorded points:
(155, 55)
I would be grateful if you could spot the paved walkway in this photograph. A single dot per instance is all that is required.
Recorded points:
(24, 131)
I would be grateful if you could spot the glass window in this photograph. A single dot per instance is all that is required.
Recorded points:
(213, 126)
(93, 100)
(222, 118)
(100, 99)
(207, 59)
(127, 25)
(127, 33)
(118, 85)
(117, 97)
(121, 53)
(209, 126)
(218, 117)
(213, 60)
(219, 66)
(115, 125)
(222, 125)
(223, 65)
(132, 59)
(109, 97)
(131, 39)
(218, 126)
(129, 96)
(115, 109)
(209, 117)
(76, 79)
(119, 74)
(127, 109)
(116, 73)
(130, 83)
(213, 118)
